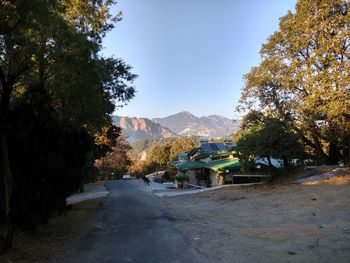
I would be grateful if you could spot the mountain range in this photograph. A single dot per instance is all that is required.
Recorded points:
(180, 124)
(136, 129)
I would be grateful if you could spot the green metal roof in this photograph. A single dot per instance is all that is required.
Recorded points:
(189, 165)
(183, 155)
(207, 154)
(175, 162)
(216, 166)
(192, 151)
(222, 165)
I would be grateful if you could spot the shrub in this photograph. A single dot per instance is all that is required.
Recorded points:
(182, 178)
(159, 180)
(47, 158)
(203, 176)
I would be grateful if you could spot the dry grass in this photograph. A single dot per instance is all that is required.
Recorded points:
(50, 240)
(334, 180)
(278, 222)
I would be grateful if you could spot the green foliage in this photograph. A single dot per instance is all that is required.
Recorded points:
(143, 146)
(203, 176)
(182, 178)
(167, 175)
(159, 180)
(56, 96)
(160, 154)
(52, 45)
(170, 173)
(93, 18)
(265, 136)
(183, 144)
(142, 168)
(47, 157)
(303, 77)
(115, 163)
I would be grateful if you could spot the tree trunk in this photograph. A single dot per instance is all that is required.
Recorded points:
(269, 161)
(333, 153)
(7, 233)
(286, 163)
(347, 117)
(321, 156)
(7, 83)
(349, 152)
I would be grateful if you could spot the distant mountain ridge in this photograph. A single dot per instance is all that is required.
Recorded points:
(136, 129)
(186, 124)
(179, 124)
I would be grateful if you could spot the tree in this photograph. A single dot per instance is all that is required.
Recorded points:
(183, 144)
(268, 137)
(53, 47)
(115, 163)
(140, 168)
(16, 48)
(44, 153)
(304, 75)
(160, 154)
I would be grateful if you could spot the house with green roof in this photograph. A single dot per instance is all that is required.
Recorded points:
(210, 164)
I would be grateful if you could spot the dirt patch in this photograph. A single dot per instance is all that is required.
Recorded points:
(335, 176)
(268, 223)
(336, 180)
(52, 239)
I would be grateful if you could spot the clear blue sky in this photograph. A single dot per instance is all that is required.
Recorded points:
(191, 55)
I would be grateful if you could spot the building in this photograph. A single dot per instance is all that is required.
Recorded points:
(210, 164)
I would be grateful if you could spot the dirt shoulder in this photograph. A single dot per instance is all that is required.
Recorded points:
(278, 223)
(52, 239)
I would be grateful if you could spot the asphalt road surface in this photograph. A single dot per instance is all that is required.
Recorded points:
(131, 226)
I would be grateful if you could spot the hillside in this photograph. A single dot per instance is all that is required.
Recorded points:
(141, 128)
(180, 124)
(187, 124)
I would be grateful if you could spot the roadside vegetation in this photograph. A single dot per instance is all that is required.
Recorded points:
(50, 241)
(115, 163)
(298, 100)
(57, 94)
(158, 155)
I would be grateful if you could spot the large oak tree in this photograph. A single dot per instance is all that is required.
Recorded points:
(304, 76)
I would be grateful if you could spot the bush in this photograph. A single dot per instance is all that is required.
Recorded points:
(171, 171)
(182, 178)
(285, 173)
(247, 165)
(47, 158)
(203, 177)
(159, 180)
(166, 176)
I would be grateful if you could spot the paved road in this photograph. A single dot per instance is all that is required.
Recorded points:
(132, 226)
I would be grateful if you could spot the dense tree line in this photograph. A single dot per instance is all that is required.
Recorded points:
(299, 94)
(56, 96)
(115, 163)
(143, 147)
(159, 154)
